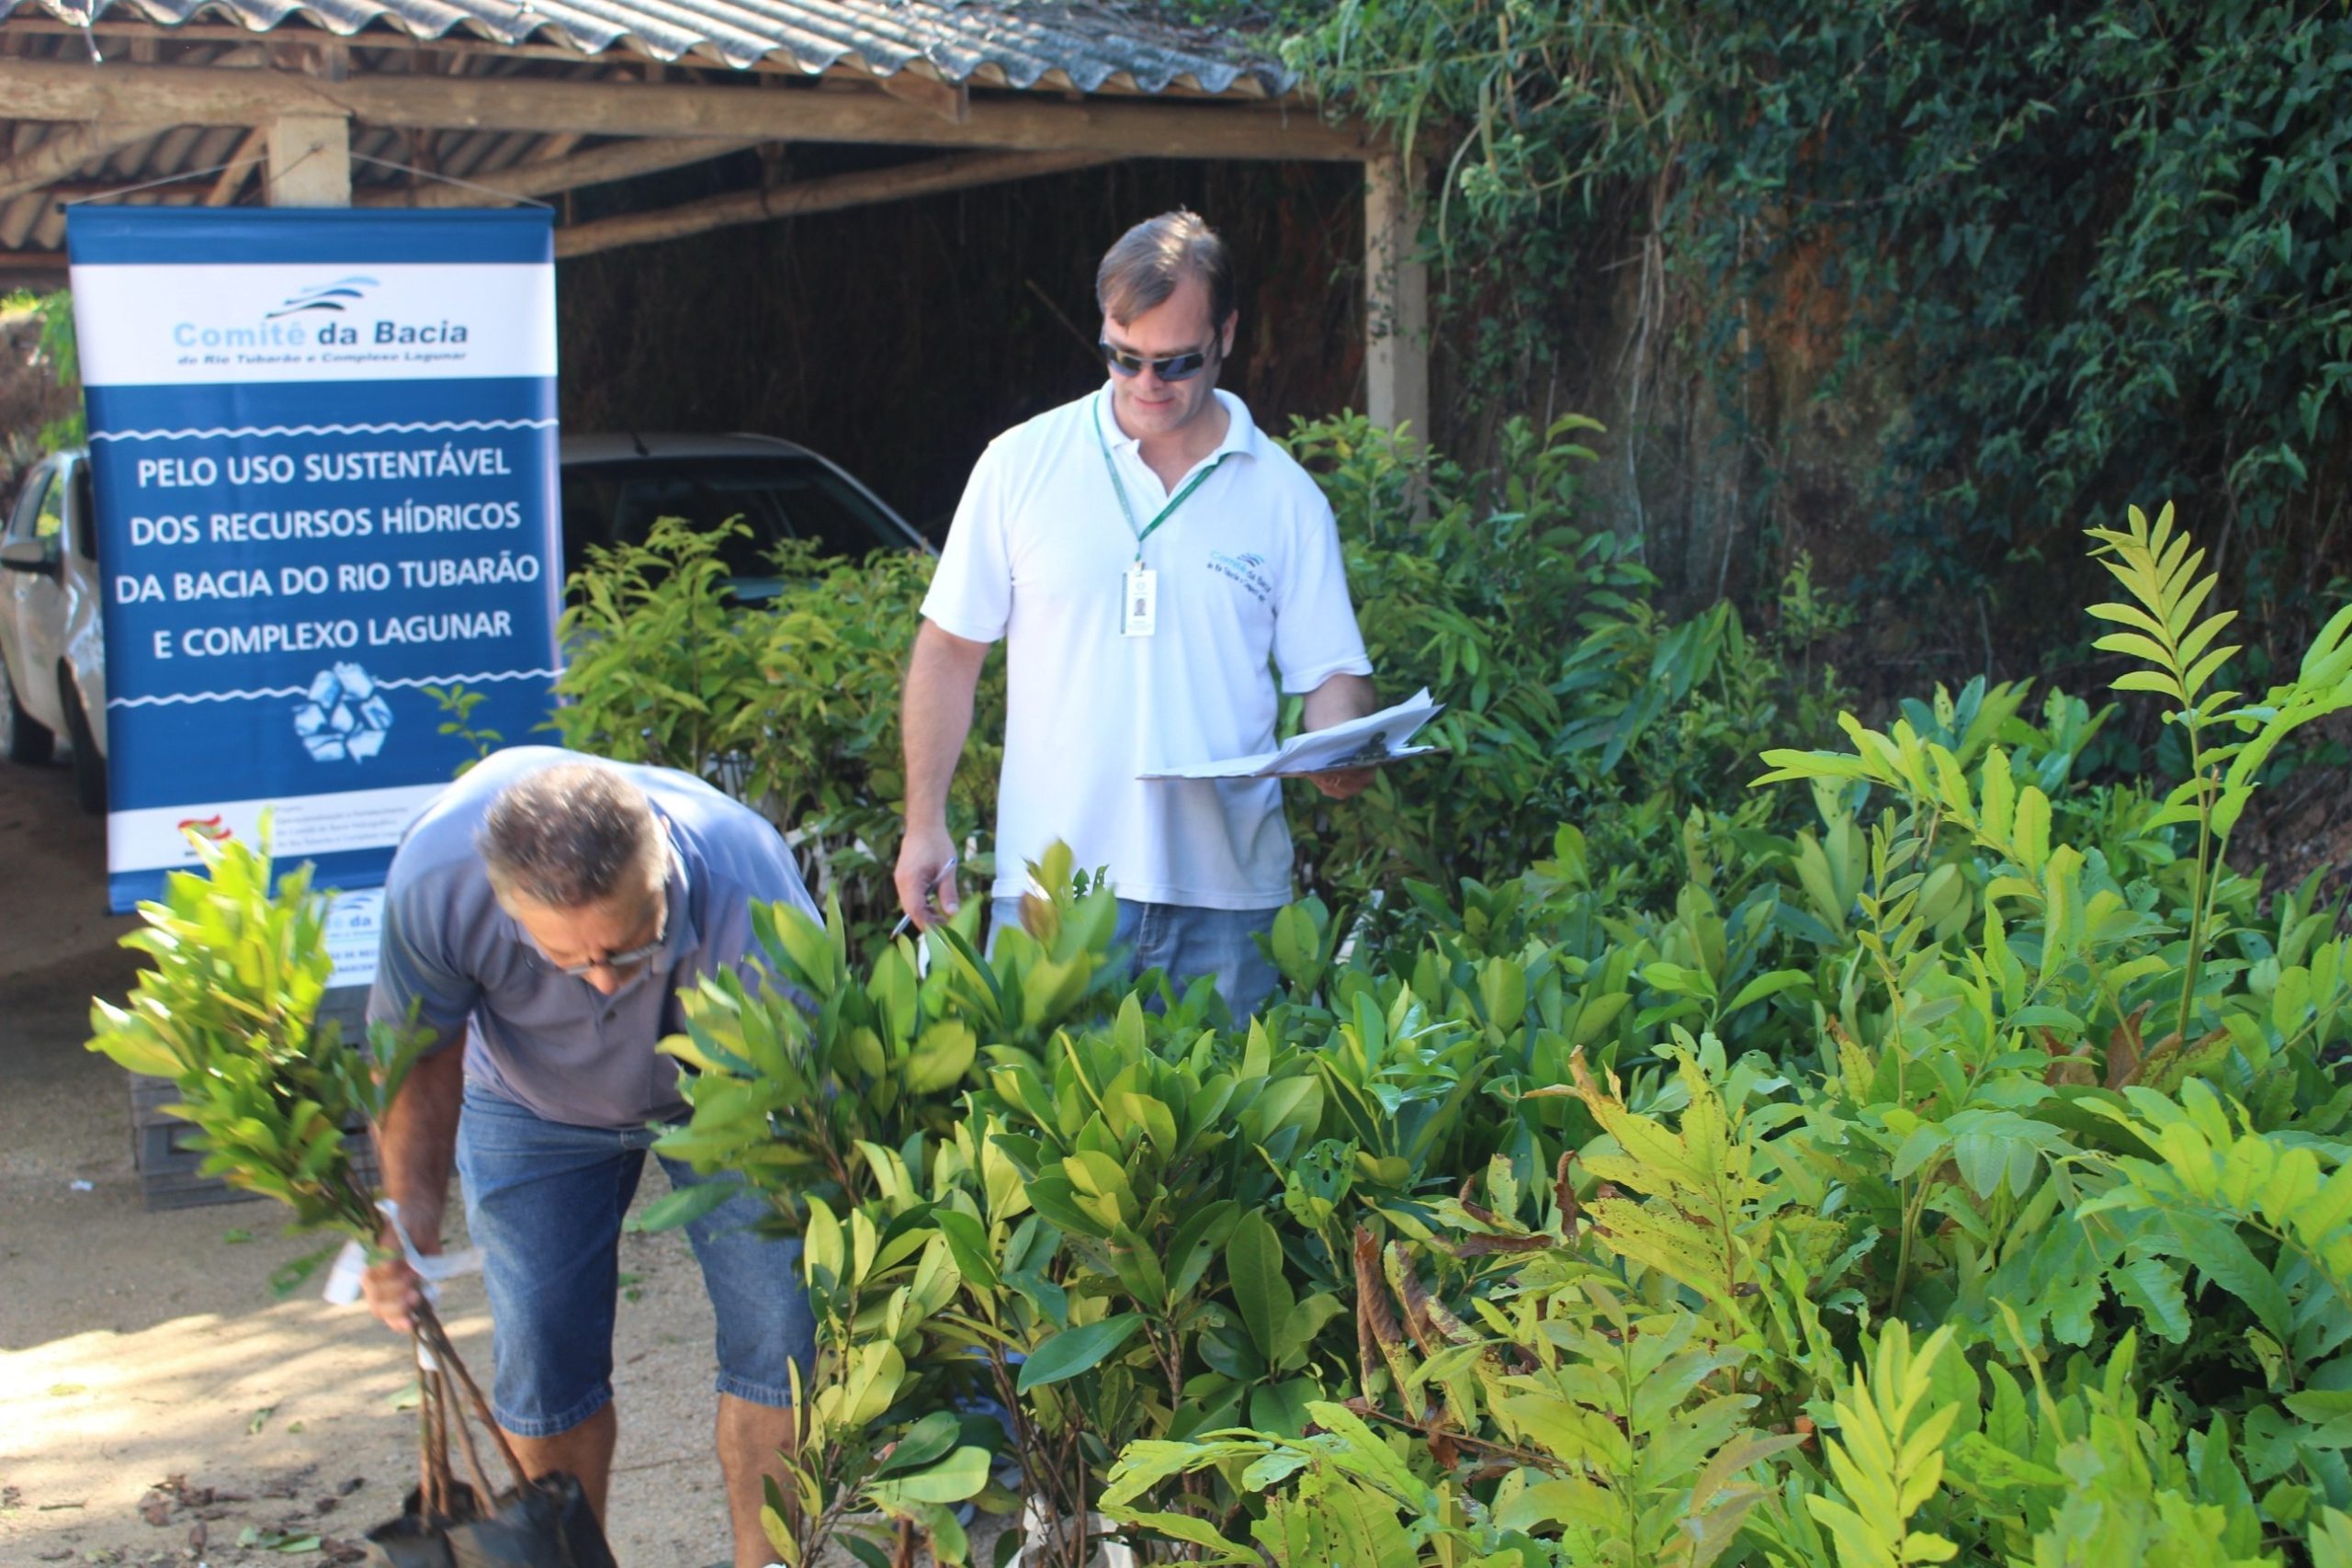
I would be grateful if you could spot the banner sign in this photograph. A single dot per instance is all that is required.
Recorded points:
(323, 451)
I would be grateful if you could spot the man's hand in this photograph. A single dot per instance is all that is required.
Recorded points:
(1336, 700)
(417, 1141)
(1346, 784)
(393, 1290)
(926, 877)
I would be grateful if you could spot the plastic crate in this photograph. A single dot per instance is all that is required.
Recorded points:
(168, 1168)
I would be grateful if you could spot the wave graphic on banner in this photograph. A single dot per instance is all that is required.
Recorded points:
(485, 677)
(253, 430)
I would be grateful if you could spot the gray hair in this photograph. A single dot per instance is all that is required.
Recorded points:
(1144, 267)
(572, 835)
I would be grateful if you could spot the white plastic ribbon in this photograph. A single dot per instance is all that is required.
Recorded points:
(351, 1263)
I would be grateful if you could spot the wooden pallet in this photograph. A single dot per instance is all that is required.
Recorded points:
(168, 1168)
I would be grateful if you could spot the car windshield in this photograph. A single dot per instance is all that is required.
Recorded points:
(778, 498)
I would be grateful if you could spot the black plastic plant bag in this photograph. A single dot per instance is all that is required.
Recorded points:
(419, 1539)
(549, 1524)
(545, 1523)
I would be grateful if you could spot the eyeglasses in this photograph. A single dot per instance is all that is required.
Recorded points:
(620, 963)
(1173, 368)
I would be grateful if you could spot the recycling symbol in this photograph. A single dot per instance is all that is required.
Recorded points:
(345, 718)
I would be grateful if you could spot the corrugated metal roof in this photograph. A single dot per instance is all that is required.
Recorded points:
(988, 43)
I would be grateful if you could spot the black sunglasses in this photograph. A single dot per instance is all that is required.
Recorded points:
(1174, 367)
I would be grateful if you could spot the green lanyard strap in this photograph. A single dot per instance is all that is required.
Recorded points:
(1120, 489)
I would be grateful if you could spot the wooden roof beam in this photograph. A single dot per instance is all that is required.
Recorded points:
(951, 101)
(621, 161)
(960, 170)
(198, 96)
(68, 148)
(187, 193)
(249, 155)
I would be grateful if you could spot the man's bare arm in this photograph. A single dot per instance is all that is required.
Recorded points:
(417, 1145)
(934, 718)
(1336, 700)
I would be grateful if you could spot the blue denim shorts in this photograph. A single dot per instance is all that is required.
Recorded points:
(1188, 942)
(544, 1202)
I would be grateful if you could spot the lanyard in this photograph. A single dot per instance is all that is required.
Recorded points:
(1120, 489)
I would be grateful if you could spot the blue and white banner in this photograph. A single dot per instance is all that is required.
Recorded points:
(324, 447)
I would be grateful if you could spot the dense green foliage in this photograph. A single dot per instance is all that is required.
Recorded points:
(1569, 697)
(58, 350)
(2096, 244)
(1958, 1177)
(1932, 1154)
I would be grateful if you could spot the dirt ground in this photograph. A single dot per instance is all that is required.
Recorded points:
(157, 1405)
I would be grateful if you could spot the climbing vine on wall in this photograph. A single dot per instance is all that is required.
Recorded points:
(2097, 242)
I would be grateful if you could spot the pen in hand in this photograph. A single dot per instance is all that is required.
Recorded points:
(930, 897)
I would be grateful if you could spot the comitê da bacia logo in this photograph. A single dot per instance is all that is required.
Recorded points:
(307, 318)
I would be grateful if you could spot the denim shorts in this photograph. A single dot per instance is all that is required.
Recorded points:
(545, 1201)
(1187, 942)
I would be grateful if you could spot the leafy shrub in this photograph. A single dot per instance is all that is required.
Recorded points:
(57, 349)
(1568, 698)
(658, 668)
(1957, 1178)
(229, 1011)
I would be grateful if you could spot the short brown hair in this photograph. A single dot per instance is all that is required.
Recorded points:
(572, 835)
(1149, 260)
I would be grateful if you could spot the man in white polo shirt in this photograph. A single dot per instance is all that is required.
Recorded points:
(1146, 552)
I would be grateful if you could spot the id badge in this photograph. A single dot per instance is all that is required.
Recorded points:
(1139, 602)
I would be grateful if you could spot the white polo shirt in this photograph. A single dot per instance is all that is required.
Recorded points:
(1250, 574)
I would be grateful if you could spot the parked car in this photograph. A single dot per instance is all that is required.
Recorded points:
(614, 486)
(52, 658)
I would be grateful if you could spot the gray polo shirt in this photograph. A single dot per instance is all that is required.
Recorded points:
(543, 1039)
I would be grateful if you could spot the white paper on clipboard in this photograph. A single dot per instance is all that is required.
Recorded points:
(1364, 742)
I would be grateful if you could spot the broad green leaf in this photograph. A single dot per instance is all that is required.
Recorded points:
(1254, 1263)
(676, 1210)
(967, 1243)
(1193, 1531)
(960, 1475)
(925, 1442)
(941, 1057)
(1075, 1350)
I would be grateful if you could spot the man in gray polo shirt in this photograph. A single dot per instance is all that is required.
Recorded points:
(559, 904)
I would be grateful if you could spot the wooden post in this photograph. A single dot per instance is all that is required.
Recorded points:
(1396, 299)
(309, 161)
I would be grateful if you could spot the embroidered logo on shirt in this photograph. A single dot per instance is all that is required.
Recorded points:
(1248, 571)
